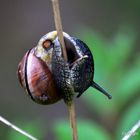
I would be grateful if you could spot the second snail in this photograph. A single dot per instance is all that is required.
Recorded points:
(48, 78)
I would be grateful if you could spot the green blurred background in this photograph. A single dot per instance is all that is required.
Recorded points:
(111, 29)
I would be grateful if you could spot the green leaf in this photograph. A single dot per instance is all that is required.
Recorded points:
(99, 102)
(112, 69)
(128, 86)
(86, 130)
(129, 119)
(121, 48)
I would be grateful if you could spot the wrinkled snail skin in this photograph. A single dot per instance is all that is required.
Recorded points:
(76, 74)
(88, 70)
(47, 77)
(61, 71)
(83, 71)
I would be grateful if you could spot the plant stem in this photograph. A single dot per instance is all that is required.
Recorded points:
(3, 120)
(72, 117)
(58, 25)
(132, 132)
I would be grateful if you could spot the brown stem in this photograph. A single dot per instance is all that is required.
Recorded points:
(58, 25)
(72, 116)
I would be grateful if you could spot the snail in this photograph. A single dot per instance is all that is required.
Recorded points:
(48, 78)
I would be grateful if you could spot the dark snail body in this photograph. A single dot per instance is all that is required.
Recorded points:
(47, 77)
(79, 69)
(84, 68)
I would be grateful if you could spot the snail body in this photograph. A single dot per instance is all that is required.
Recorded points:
(47, 77)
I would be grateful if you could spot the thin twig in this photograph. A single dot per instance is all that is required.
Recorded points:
(58, 25)
(71, 109)
(3, 120)
(132, 132)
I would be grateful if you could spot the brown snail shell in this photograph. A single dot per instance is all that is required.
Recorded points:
(37, 79)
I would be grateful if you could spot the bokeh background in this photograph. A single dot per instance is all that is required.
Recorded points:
(112, 30)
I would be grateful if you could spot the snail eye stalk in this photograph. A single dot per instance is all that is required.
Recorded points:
(96, 86)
